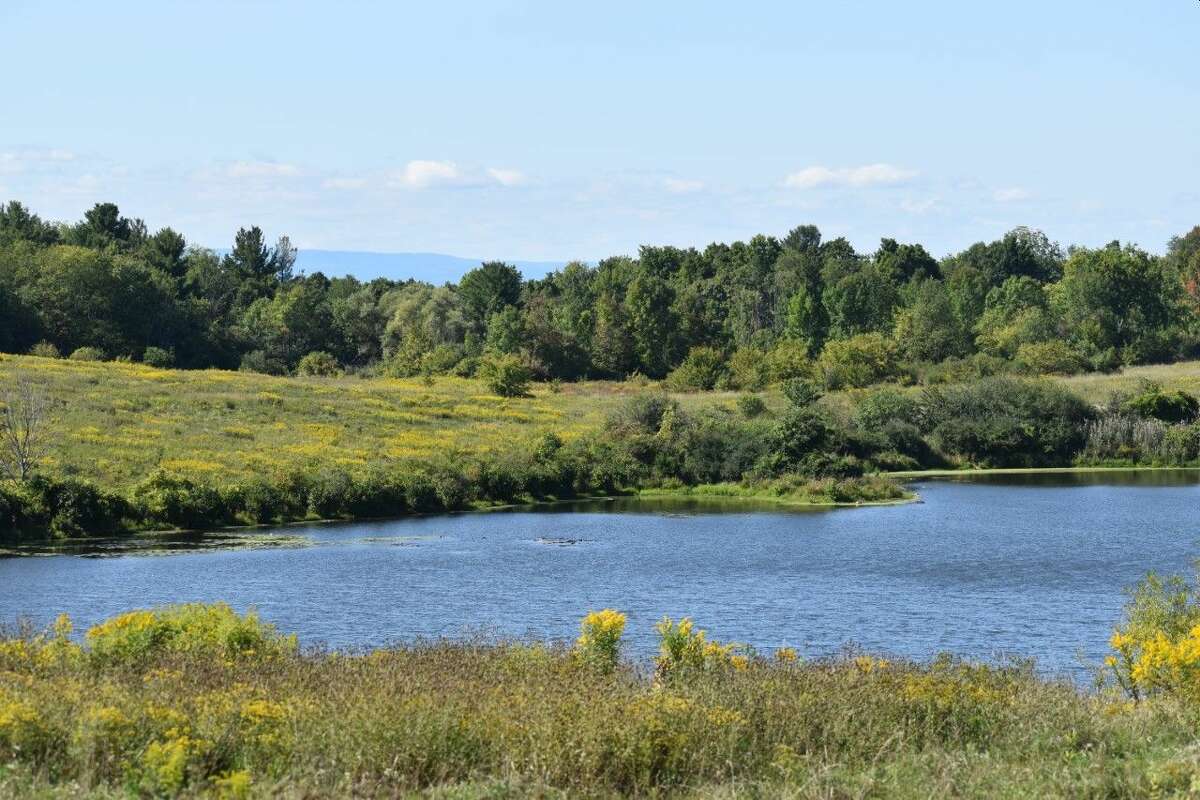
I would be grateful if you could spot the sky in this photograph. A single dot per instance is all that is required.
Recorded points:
(553, 131)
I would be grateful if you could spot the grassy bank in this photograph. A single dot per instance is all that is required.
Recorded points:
(792, 492)
(198, 702)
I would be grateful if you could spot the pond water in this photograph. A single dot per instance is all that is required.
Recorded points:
(1025, 565)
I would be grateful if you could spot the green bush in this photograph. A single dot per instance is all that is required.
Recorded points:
(801, 392)
(1152, 402)
(87, 354)
(883, 405)
(67, 508)
(1006, 422)
(703, 369)
(331, 493)
(167, 500)
(1181, 444)
(259, 361)
(318, 363)
(858, 361)
(506, 375)
(749, 369)
(158, 357)
(1050, 358)
(45, 350)
(789, 359)
(751, 406)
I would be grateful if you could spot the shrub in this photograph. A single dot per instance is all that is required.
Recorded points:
(599, 642)
(74, 508)
(158, 357)
(194, 629)
(1157, 645)
(45, 350)
(1152, 402)
(259, 361)
(1181, 444)
(801, 392)
(379, 493)
(87, 354)
(330, 493)
(642, 413)
(751, 406)
(170, 500)
(1050, 358)
(1006, 422)
(684, 651)
(255, 499)
(789, 359)
(703, 368)
(858, 361)
(884, 405)
(749, 369)
(506, 375)
(318, 363)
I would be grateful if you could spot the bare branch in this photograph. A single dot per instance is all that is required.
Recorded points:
(24, 411)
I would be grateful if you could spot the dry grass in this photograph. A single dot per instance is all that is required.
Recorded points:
(1096, 387)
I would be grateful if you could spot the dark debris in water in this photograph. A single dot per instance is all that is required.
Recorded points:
(155, 545)
(559, 541)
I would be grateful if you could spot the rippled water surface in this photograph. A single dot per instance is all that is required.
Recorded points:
(1033, 566)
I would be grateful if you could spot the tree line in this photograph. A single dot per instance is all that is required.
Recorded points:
(738, 315)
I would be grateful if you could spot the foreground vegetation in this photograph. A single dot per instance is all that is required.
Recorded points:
(197, 700)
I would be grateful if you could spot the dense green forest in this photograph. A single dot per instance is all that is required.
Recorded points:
(734, 315)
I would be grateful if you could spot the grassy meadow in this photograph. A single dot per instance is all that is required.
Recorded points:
(114, 423)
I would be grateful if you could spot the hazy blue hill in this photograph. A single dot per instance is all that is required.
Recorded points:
(435, 268)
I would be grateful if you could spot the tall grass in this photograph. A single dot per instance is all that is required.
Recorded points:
(228, 708)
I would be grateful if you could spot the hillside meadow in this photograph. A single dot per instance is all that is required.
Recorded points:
(114, 423)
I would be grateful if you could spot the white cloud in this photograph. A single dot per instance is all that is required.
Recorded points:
(1011, 195)
(344, 183)
(857, 177)
(918, 206)
(20, 160)
(507, 177)
(682, 185)
(423, 174)
(261, 169)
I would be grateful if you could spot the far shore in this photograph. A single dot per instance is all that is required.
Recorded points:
(950, 473)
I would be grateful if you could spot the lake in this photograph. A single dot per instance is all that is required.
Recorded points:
(1025, 565)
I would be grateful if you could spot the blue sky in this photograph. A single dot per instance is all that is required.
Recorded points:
(557, 131)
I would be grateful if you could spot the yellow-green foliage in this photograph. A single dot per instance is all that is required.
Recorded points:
(505, 720)
(1157, 645)
(684, 649)
(195, 628)
(115, 423)
(600, 637)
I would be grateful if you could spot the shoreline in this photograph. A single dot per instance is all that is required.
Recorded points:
(950, 473)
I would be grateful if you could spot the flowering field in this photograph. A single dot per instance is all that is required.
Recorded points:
(200, 701)
(114, 423)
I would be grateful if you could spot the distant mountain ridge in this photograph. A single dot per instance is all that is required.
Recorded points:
(436, 268)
